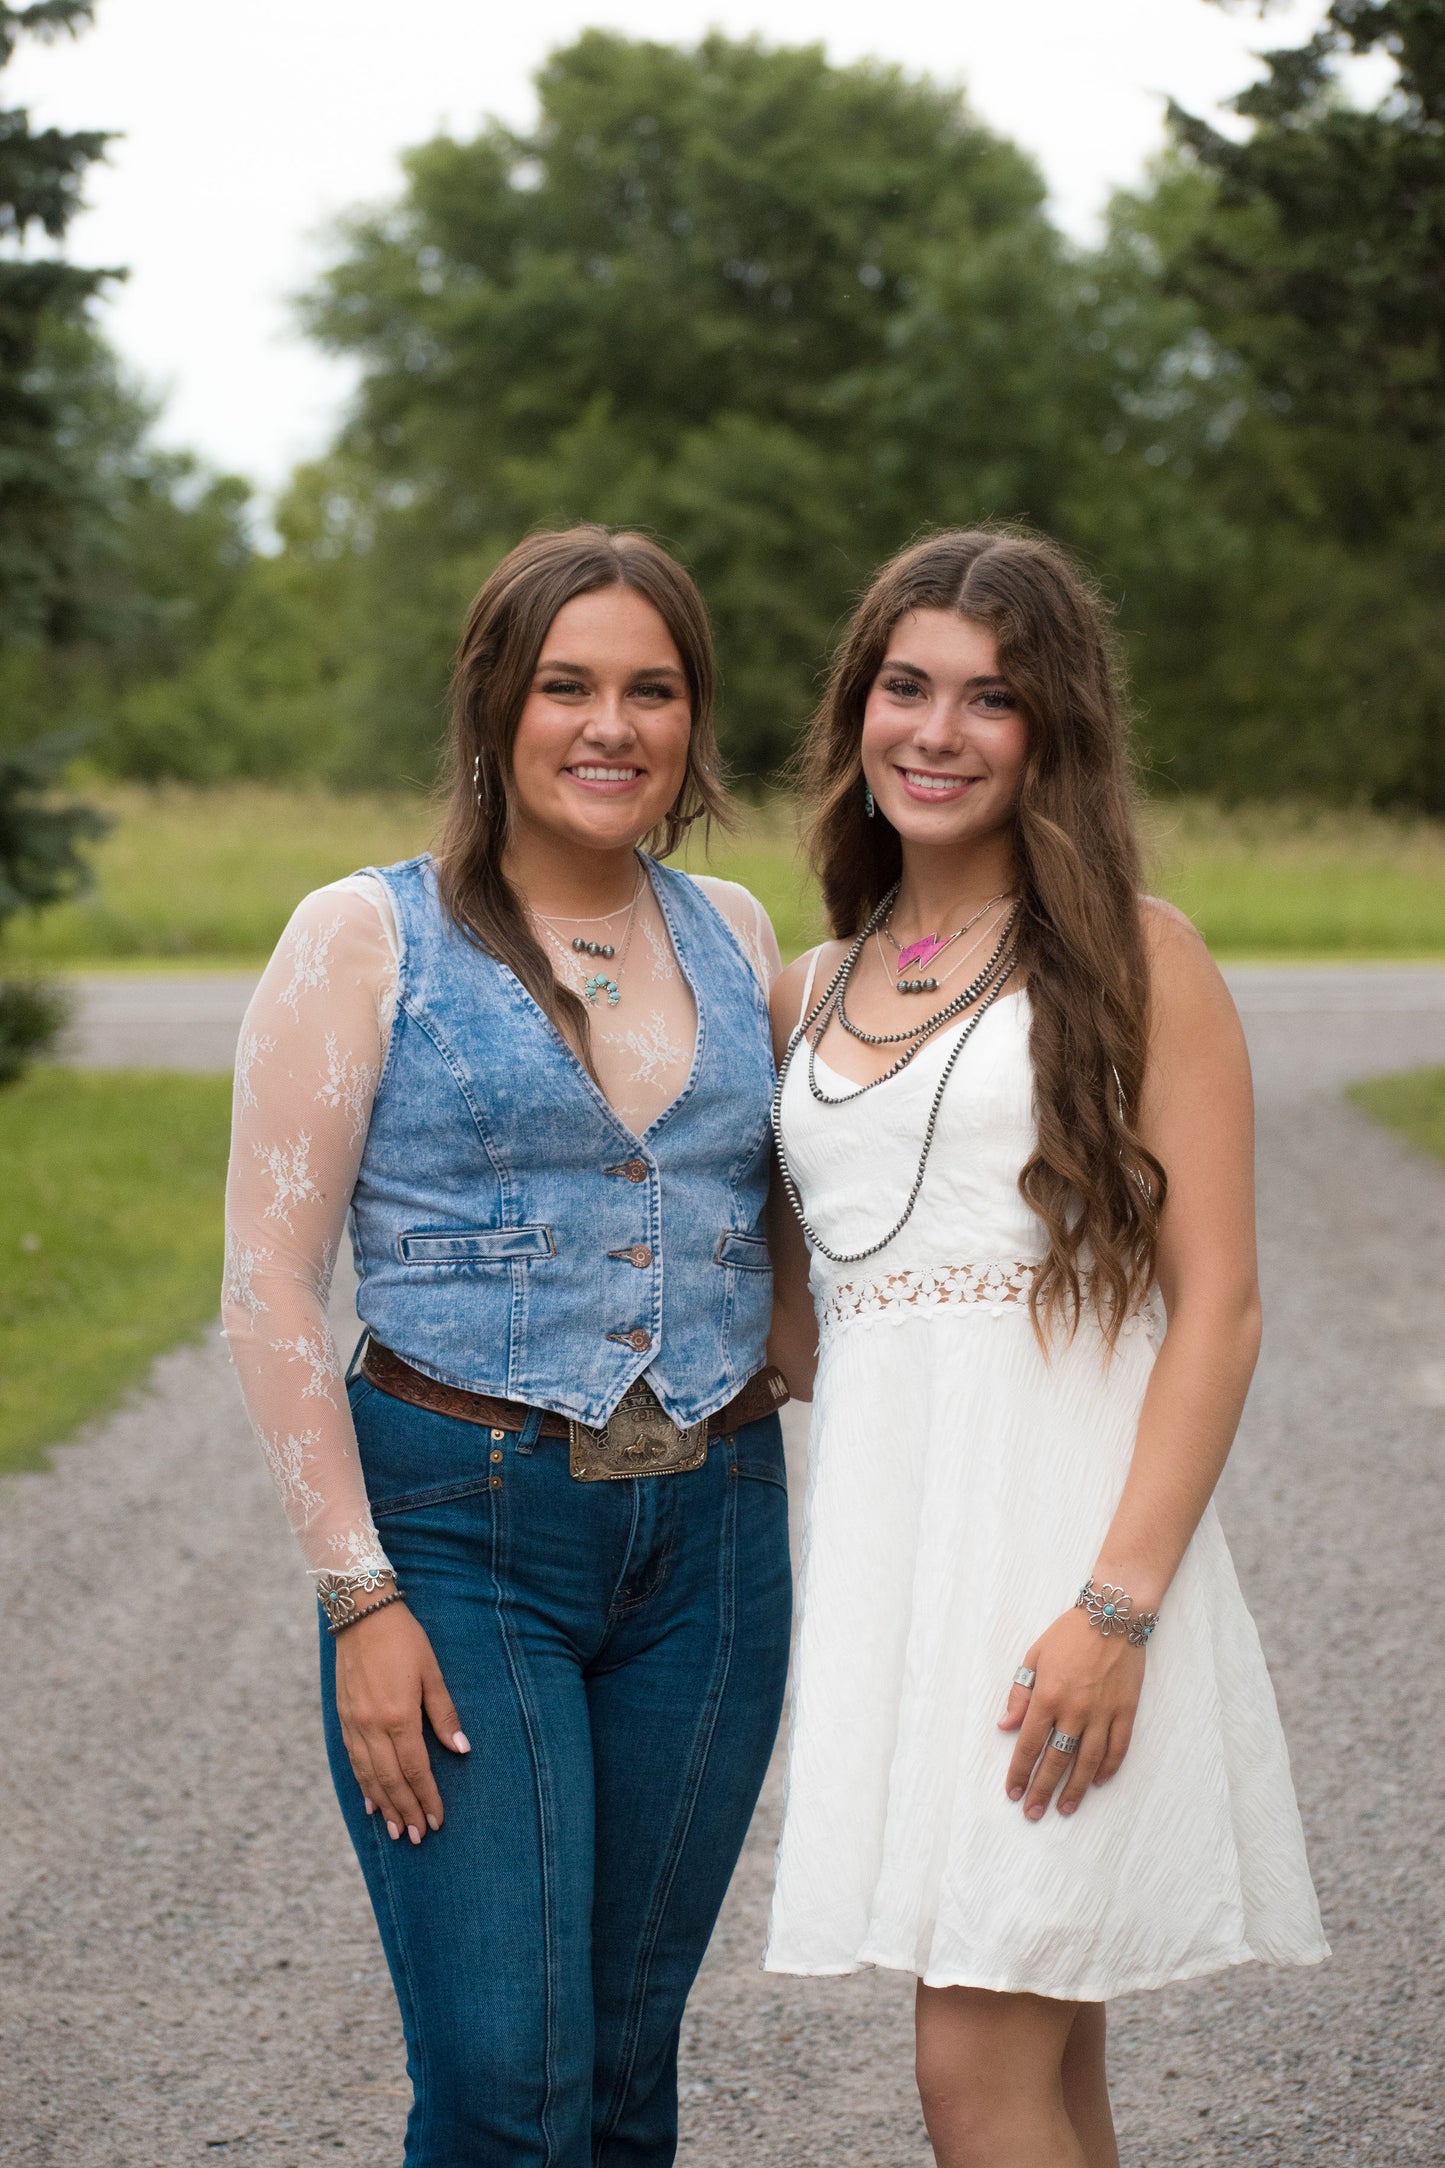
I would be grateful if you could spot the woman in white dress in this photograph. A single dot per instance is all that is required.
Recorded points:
(1015, 1115)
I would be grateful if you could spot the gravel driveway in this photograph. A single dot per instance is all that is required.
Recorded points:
(188, 1970)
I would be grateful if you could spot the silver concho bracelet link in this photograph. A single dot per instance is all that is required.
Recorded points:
(1113, 1613)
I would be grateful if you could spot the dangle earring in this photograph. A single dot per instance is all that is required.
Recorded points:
(868, 806)
(477, 782)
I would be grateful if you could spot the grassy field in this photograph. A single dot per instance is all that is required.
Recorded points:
(209, 877)
(110, 1239)
(1412, 1103)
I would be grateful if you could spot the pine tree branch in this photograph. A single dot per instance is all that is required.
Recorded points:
(43, 19)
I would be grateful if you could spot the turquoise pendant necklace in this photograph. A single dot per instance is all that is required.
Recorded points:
(600, 983)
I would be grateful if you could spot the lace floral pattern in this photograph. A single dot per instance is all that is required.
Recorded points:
(991, 1287)
(311, 1050)
(995, 1288)
(310, 1053)
(655, 1052)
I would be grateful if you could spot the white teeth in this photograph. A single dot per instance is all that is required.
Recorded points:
(605, 775)
(936, 782)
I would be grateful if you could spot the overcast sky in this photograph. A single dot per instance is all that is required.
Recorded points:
(245, 129)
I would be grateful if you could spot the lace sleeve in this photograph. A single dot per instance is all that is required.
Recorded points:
(310, 1053)
(750, 924)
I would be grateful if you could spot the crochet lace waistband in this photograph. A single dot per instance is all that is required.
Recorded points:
(994, 1287)
(998, 1288)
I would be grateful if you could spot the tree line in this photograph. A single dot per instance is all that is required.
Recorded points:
(786, 315)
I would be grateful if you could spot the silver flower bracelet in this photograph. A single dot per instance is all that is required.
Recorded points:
(1113, 1613)
(337, 1593)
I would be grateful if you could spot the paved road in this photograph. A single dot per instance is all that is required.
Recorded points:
(187, 1968)
(176, 1020)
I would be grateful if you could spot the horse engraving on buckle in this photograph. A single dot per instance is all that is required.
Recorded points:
(637, 1439)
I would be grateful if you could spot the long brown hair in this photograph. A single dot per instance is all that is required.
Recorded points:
(1097, 1188)
(495, 663)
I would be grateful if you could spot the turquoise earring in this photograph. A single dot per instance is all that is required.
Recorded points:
(868, 806)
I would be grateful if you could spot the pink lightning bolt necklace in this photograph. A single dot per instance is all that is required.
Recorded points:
(920, 954)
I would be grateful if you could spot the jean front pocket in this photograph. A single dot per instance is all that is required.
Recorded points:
(758, 1452)
(412, 1458)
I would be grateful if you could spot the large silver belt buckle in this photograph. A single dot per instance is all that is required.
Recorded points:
(637, 1439)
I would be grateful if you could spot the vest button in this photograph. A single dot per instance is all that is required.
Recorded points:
(635, 1170)
(640, 1340)
(641, 1255)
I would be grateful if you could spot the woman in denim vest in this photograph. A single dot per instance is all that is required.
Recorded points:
(546, 1509)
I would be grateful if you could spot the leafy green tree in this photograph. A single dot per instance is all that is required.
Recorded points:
(782, 312)
(1315, 266)
(162, 546)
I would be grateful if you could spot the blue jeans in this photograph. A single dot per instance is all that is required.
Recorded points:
(616, 1652)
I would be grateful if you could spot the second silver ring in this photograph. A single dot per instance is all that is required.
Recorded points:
(1063, 1742)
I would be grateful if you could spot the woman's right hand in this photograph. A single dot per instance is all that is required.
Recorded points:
(386, 1675)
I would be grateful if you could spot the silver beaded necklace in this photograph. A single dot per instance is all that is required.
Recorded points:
(982, 991)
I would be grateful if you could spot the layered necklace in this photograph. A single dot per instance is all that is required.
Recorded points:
(597, 983)
(981, 992)
(930, 947)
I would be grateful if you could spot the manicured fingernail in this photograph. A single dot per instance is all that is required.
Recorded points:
(461, 1742)
(432, 1823)
(370, 1808)
(1015, 1791)
(413, 1832)
(392, 1830)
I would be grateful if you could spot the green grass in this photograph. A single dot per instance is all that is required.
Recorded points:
(193, 877)
(1275, 881)
(1412, 1103)
(110, 1238)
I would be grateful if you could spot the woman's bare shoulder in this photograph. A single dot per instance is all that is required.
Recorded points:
(789, 989)
(1187, 986)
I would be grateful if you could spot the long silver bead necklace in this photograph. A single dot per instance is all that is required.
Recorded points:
(919, 1033)
(983, 990)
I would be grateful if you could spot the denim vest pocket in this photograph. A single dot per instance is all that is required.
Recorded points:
(468, 1249)
(748, 1251)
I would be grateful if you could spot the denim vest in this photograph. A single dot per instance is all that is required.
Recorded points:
(511, 1235)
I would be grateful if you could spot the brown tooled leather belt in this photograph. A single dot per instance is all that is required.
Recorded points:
(636, 1446)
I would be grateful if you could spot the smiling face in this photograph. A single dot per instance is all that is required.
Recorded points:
(601, 746)
(944, 741)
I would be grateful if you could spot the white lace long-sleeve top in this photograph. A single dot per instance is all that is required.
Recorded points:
(311, 1051)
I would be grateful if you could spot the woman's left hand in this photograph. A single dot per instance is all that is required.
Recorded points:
(1087, 1685)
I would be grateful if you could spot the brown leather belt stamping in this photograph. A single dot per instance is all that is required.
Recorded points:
(637, 1439)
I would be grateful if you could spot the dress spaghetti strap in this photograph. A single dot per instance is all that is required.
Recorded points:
(808, 981)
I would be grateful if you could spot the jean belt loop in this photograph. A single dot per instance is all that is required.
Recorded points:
(353, 1367)
(531, 1430)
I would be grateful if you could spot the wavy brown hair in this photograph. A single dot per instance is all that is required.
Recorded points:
(495, 663)
(1092, 1181)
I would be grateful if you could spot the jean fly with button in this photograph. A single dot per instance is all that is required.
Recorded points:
(616, 1652)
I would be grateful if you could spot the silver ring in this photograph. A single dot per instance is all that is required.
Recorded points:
(1063, 1742)
(1024, 1677)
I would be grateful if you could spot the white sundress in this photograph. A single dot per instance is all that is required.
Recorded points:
(960, 1486)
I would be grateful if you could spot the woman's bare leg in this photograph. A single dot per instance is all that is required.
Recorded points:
(990, 2077)
(1086, 2086)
